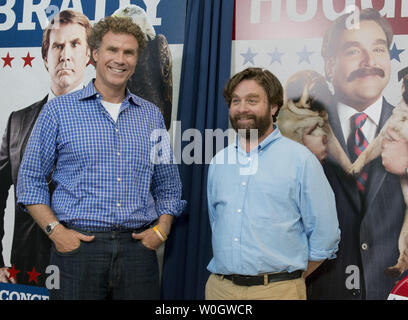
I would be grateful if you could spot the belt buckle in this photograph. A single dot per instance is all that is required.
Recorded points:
(266, 279)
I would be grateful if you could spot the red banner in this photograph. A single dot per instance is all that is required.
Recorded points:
(306, 18)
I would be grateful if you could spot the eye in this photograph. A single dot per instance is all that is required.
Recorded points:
(235, 101)
(352, 52)
(252, 101)
(380, 50)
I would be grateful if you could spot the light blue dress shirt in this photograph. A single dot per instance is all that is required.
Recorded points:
(271, 210)
(102, 169)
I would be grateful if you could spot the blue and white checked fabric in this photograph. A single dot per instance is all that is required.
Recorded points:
(102, 169)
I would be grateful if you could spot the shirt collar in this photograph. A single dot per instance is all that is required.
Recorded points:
(373, 112)
(272, 137)
(90, 91)
(51, 94)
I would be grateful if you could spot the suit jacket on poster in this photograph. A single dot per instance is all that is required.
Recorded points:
(370, 228)
(30, 246)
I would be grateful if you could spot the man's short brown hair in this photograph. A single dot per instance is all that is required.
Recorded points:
(63, 18)
(266, 79)
(335, 31)
(116, 25)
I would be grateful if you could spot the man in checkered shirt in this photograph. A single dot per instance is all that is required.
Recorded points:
(100, 143)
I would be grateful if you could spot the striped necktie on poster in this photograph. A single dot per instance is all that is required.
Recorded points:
(357, 142)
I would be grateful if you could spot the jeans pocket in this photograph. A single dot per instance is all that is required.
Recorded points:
(68, 253)
(141, 245)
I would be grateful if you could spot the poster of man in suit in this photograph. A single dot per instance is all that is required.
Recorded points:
(358, 48)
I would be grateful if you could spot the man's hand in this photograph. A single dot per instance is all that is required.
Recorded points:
(316, 144)
(394, 153)
(4, 276)
(67, 240)
(149, 238)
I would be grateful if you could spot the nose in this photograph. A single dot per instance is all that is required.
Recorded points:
(242, 108)
(368, 59)
(119, 57)
(66, 53)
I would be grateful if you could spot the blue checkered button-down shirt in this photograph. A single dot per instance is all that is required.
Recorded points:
(102, 169)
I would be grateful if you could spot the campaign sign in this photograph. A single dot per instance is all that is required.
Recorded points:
(400, 291)
(22, 22)
(9, 291)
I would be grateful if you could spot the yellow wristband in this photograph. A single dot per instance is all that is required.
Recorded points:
(158, 234)
(161, 232)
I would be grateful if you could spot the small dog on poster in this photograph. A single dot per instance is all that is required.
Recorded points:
(399, 122)
(306, 97)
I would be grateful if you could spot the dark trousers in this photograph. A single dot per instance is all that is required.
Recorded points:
(112, 266)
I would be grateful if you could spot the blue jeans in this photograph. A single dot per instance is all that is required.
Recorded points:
(112, 266)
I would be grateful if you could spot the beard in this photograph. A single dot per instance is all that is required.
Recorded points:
(260, 123)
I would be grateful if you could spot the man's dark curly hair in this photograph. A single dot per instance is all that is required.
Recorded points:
(116, 25)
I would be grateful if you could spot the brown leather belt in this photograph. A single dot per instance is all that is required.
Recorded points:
(242, 280)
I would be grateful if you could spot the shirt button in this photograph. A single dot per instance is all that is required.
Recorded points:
(118, 204)
(239, 210)
(118, 179)
(118, 154)
(116, 129)
(244, 183)
(364, 246)
(236, 239)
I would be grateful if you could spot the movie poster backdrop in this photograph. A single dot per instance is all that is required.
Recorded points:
(285, 37)
(25, 80)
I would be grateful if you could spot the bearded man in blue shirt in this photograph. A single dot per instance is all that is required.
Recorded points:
(272, 211)
(98, 144)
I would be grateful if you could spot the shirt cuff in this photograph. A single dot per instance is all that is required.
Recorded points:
(319, 255)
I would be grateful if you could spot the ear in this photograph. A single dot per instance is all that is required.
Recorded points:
(274, 109)
(329, 67)
(95, 55)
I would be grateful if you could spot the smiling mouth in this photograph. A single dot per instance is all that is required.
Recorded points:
(116, 70)
(245, 119)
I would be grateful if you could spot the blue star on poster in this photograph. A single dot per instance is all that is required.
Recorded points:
(276, 56)
(249, 56)
(395, 53)
(304, 55)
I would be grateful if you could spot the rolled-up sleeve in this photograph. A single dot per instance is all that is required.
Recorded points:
(38, 161)
(166, 184)
(318, 210)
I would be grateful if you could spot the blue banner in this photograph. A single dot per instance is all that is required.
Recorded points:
(10, 291)
(22, 22)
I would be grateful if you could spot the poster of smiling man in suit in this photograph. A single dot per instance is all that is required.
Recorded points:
(358, 48)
